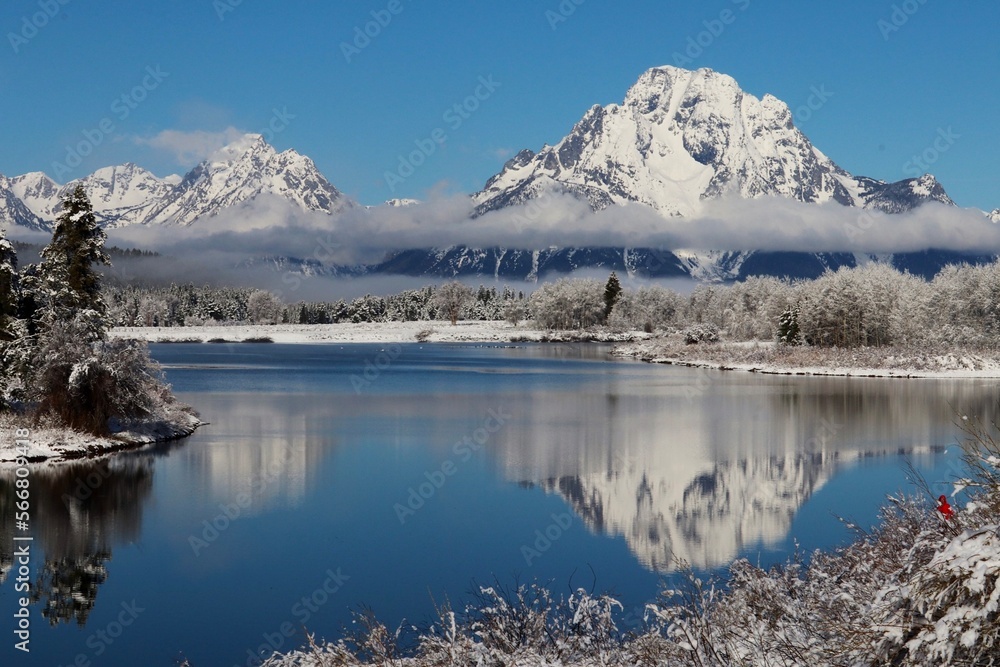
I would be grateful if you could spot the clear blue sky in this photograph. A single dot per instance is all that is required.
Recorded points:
(891, 91)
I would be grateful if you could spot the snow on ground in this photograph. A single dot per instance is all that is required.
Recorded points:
(480, 331)
(756, 357)
(52, 444)
(769, 358)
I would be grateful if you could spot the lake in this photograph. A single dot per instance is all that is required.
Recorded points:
(333, 477)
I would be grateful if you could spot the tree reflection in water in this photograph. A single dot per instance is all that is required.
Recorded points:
(79, 512)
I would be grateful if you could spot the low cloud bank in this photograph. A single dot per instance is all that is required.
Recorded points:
(272, 227)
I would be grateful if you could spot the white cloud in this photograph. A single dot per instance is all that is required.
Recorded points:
(189, 148)
(273, 226)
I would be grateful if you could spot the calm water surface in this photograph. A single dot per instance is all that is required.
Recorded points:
(332, 477)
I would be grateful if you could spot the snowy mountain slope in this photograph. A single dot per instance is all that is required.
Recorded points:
(529, 265)
(681, 137)
(240, 172)
(129, 195)
(122, 195)
(38, 192)
(13, 211)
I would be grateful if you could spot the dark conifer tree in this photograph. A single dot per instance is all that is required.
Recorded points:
(612, 292)
(70, 279)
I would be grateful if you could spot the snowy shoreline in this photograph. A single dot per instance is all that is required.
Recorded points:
(771, 359)
(471, 331)
(47, 444)
(753, 357)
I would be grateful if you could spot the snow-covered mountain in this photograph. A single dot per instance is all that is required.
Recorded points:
(130, 195)
(13, 210)
(239, 173)
(681, 137)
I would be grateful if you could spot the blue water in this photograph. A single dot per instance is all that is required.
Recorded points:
(397, 477)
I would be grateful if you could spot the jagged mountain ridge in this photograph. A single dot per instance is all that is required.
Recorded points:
(681, 137)
(130, 195)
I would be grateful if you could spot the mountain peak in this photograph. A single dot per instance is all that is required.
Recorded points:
(682, 137)
(127, 194)
(248, 144)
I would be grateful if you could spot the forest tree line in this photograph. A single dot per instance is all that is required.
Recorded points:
(871, 305)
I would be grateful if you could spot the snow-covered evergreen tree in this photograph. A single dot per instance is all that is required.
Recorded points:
(70, 279)
(612, 292)
(8, 288)
(788, 327)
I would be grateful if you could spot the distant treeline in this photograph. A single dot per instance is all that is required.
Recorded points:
(872, 305)
(180, 305)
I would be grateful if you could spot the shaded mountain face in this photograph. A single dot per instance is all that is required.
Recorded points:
(130, 195)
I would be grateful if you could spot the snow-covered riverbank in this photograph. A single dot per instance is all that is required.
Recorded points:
(770, 358)
(755, 357)
(52, 444)
(479, 331)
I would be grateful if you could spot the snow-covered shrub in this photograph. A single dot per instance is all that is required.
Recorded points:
(514, 311)
(648, 308)
(867, 306)
(264, 308)
(87, 382)
(451, 299)
(568, 304)
(701, 333)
